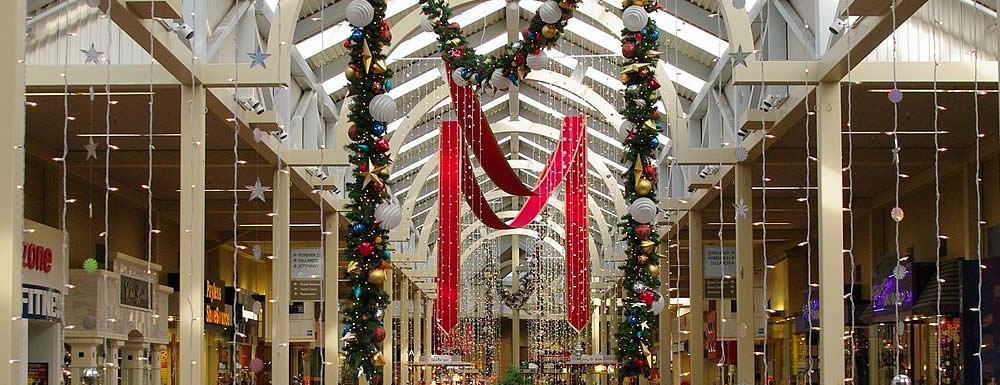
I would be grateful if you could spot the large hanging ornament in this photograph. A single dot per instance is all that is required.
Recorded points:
(550, 31)
(360, 13)
(896, 214)
(458, 77)
(635, 18)
(643, 186)
(538, 62)
(499, 81)
(550, 12)
(643, 210)
(658, 304)
(383, 108)
(388, 215)
(376, 277)
(901, 379)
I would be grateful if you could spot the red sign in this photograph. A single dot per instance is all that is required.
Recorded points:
(36, 257)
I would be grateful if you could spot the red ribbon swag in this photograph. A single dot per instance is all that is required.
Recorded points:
(568, 162)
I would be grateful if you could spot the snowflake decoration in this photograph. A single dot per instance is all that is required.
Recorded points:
(742, 209)
(899, 272)
(742, 154)
(90, 265)
(257, 365)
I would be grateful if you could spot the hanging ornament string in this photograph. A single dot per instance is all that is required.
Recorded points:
(637, 332)
(516, 60)
(979, 201)
(849, 168)
(939, 375)
(370, 212)
(765, 301)
(236, 199)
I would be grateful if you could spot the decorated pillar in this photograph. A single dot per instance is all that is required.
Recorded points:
(404, 331)
(428, 334)
(332, 328)
(280, 279)
(155, 362)
(418, 331)
(387, 373)
(744, 275)
(192, 246)
(515, 314)
(112, 372)
(696, 284)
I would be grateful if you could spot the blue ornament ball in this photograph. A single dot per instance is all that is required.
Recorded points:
(629, 230)
(364, 148)
(348, 328)
(386, 254)
(358, 35)
(357, 292)
(632, 320)
(644, 31)
(359, 228)
(655, 34)
(654, 141)
(378, 129)
(531, 35)
(388, 85)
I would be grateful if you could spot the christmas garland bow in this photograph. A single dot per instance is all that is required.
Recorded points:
(515, 60)
(637, 332)
(529, 283)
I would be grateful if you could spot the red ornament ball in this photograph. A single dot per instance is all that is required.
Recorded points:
(354, 133)
(628, 50)
(347, 43)
(386, 32)
(366, 248)
(379, 334)
(642, 232)
(647, 297)
(638, 36)
(382, 145)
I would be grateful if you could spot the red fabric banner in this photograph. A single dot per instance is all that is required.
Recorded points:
(478, 134)
(449, 186)
(573, 142)
(577, 266)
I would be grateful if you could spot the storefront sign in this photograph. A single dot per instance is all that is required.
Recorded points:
(719, 261)
(41, 303)
(135, 292)
(38, 373)
(716, 288)
(218, 316)
(307, 290)
(213, 291)
(215, 306)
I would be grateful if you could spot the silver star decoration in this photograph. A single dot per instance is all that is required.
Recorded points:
(739, 57)
(257, 191)
(92, 55)
(91, 148)
(742, 209)
(258, 57)
(739, 4)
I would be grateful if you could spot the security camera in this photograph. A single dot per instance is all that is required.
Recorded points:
(282, 135)
(316, 172)
(250, 103)
(742, 133)
(838, 26)
(708, 171)
(771, 102)
(183, 31)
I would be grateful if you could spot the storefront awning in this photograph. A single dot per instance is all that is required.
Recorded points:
(951, 292)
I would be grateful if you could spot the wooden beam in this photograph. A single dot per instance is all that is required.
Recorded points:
(80, 77)
(160, 9)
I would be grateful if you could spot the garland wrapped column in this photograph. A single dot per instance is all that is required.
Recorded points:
(370, 212)
(637, 330)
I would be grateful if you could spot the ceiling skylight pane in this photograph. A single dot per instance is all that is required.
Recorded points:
(690, 33)
(423, 39)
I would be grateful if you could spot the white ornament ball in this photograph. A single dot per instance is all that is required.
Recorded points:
(635, 18)
(550, 12)
(538, 62)
(426, 25)
(499, 81)
(383, 108)
(643, 210)
(456, 76)
(388, 215)
(901, 379)
(659, 304)
(360, 13)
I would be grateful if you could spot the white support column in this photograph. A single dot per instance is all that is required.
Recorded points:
(280, 279)
(664, 358)
(331, 287)
(154, 364)
(112, 372)
(604, 331)
(696, 284)
(515, 314)
(428, 335)
(192, 291)
(404, 331)
(13, 365)
(132, 363)
(831, 234)
(387, 377)
(84, 356)
(744, 278)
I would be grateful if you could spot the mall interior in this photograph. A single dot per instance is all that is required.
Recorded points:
(564, 192)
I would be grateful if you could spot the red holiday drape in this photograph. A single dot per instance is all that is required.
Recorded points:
(577, 267)
(449, 206)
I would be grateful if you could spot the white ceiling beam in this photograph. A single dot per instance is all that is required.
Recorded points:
(798, 27)
(225, 28)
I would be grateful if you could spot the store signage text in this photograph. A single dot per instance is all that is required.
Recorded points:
(36, 257)
(213, 291)
(216, 316)
(41, 303)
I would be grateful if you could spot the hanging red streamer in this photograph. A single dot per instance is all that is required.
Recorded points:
(449, 186)
(577, 231)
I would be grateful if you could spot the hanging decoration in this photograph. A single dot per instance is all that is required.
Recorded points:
(91, 148)
(528, 283)
(513, 62)
(258, 58)
(637, 332)
(449, 239)
(92, 55)
(367, 250)
(577, 235)
(257, 191)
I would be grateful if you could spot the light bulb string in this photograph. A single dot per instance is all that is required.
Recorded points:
(937, 206)
(896, 150)
(852, 307)
(808, 312)
(979, 200)
(236, 200)
(107, 172)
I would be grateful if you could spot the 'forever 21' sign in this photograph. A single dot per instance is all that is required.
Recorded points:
(135, 292)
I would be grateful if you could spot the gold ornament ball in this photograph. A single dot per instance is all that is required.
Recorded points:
(351, 74)
(654, 270)
(378, 239)
(376, 276)
(643, 186)
(549, 31)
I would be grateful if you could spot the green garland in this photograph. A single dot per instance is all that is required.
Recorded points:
(478, 69)
(637, 332)
(367, 246)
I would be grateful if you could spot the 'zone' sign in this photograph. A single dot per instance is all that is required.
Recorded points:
(36, 257)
